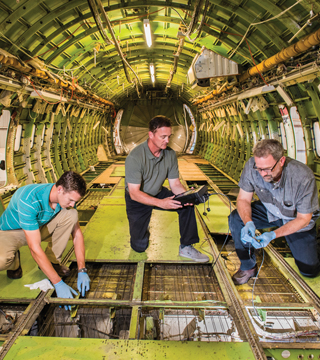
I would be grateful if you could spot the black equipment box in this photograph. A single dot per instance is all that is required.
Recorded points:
(193, 196)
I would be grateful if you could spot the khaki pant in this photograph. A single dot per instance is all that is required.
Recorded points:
(56, 233)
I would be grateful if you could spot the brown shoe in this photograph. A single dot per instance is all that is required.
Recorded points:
(15, 274)
(242, 276)
(61, 270)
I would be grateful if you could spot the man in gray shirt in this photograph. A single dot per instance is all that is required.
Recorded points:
(288, 200)
(147, 167)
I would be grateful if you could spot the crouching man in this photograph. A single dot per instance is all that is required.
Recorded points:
(45, 212)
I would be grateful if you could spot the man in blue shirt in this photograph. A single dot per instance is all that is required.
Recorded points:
(288, 200)
(45, 212)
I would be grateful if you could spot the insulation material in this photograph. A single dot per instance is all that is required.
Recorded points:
(182, 325)
(285, 326)
(88, 323)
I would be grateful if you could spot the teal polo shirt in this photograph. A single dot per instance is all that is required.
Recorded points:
(143, 168)
(29, 208)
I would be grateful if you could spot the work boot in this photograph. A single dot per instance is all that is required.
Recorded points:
(15, 274)
(61, 270)
(242, 276)
(191, 253)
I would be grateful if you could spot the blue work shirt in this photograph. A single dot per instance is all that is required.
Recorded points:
(296, 187)
(29, 208)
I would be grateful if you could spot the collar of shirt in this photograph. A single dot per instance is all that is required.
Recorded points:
(282, 181)
(150, 155)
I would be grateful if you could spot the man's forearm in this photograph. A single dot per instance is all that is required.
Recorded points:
(145, 199)
(291, 227)
(177, 188)
(78, 243)
(244, 210)
(79, 251)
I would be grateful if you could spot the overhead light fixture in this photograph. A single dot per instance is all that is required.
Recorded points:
(147, 31)
(151, 69)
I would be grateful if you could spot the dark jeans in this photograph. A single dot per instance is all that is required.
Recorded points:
(139, 217)
(303, 245)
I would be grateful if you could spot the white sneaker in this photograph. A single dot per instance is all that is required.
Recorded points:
(191, 253)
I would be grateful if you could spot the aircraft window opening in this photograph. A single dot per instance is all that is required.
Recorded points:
(283, 136)
(116, 133)
(316, 133)
(299, 135)
(192, 128)
(4, 125)
(32, 135)
(288, 131)
(43, 134)
(17, 141)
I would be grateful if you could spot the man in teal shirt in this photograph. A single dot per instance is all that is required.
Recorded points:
(45, 212)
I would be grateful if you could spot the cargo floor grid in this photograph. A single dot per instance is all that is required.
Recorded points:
(180, 283)
(108, 281)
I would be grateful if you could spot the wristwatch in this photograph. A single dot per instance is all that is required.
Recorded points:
(83, 270)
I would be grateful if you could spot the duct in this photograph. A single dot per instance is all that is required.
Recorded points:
(285, 54)
(214, 93)
(97, 19)
(115, 42)
(195, 18)
(176, 60)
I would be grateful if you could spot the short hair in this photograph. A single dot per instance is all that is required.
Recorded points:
(158, 122)
(72, 181)
(268, 147)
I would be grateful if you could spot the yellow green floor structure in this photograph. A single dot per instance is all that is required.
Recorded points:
(156, 304)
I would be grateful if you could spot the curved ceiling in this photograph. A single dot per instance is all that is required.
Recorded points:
(64, 35)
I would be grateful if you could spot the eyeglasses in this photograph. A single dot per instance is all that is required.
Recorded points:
(267, 170)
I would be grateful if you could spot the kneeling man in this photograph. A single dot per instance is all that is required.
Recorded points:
(288, 200)
(147, 167)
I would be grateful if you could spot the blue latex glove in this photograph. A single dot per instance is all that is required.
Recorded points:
(64, 291)
(263, 240)
(248, 232)
(83, 283)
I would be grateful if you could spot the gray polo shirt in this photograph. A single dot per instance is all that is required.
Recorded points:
(297, 185)
(142, 167)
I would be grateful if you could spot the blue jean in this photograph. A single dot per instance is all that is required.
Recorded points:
(139, 217)
(303, 245)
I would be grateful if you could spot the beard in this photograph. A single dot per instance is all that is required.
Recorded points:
(268, 178)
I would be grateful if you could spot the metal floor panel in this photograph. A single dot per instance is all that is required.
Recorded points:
(108, 281)
(40, 348)
(107, 236)
(271, 285)
(180, 283)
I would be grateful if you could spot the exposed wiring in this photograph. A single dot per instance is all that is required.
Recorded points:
(254, 283)
(48, 102)
(55, 68)
(56, 46)
(7, 317)
(179, 16)
(31, 116)
(262, 22)
(227, 236)
(226, 259)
